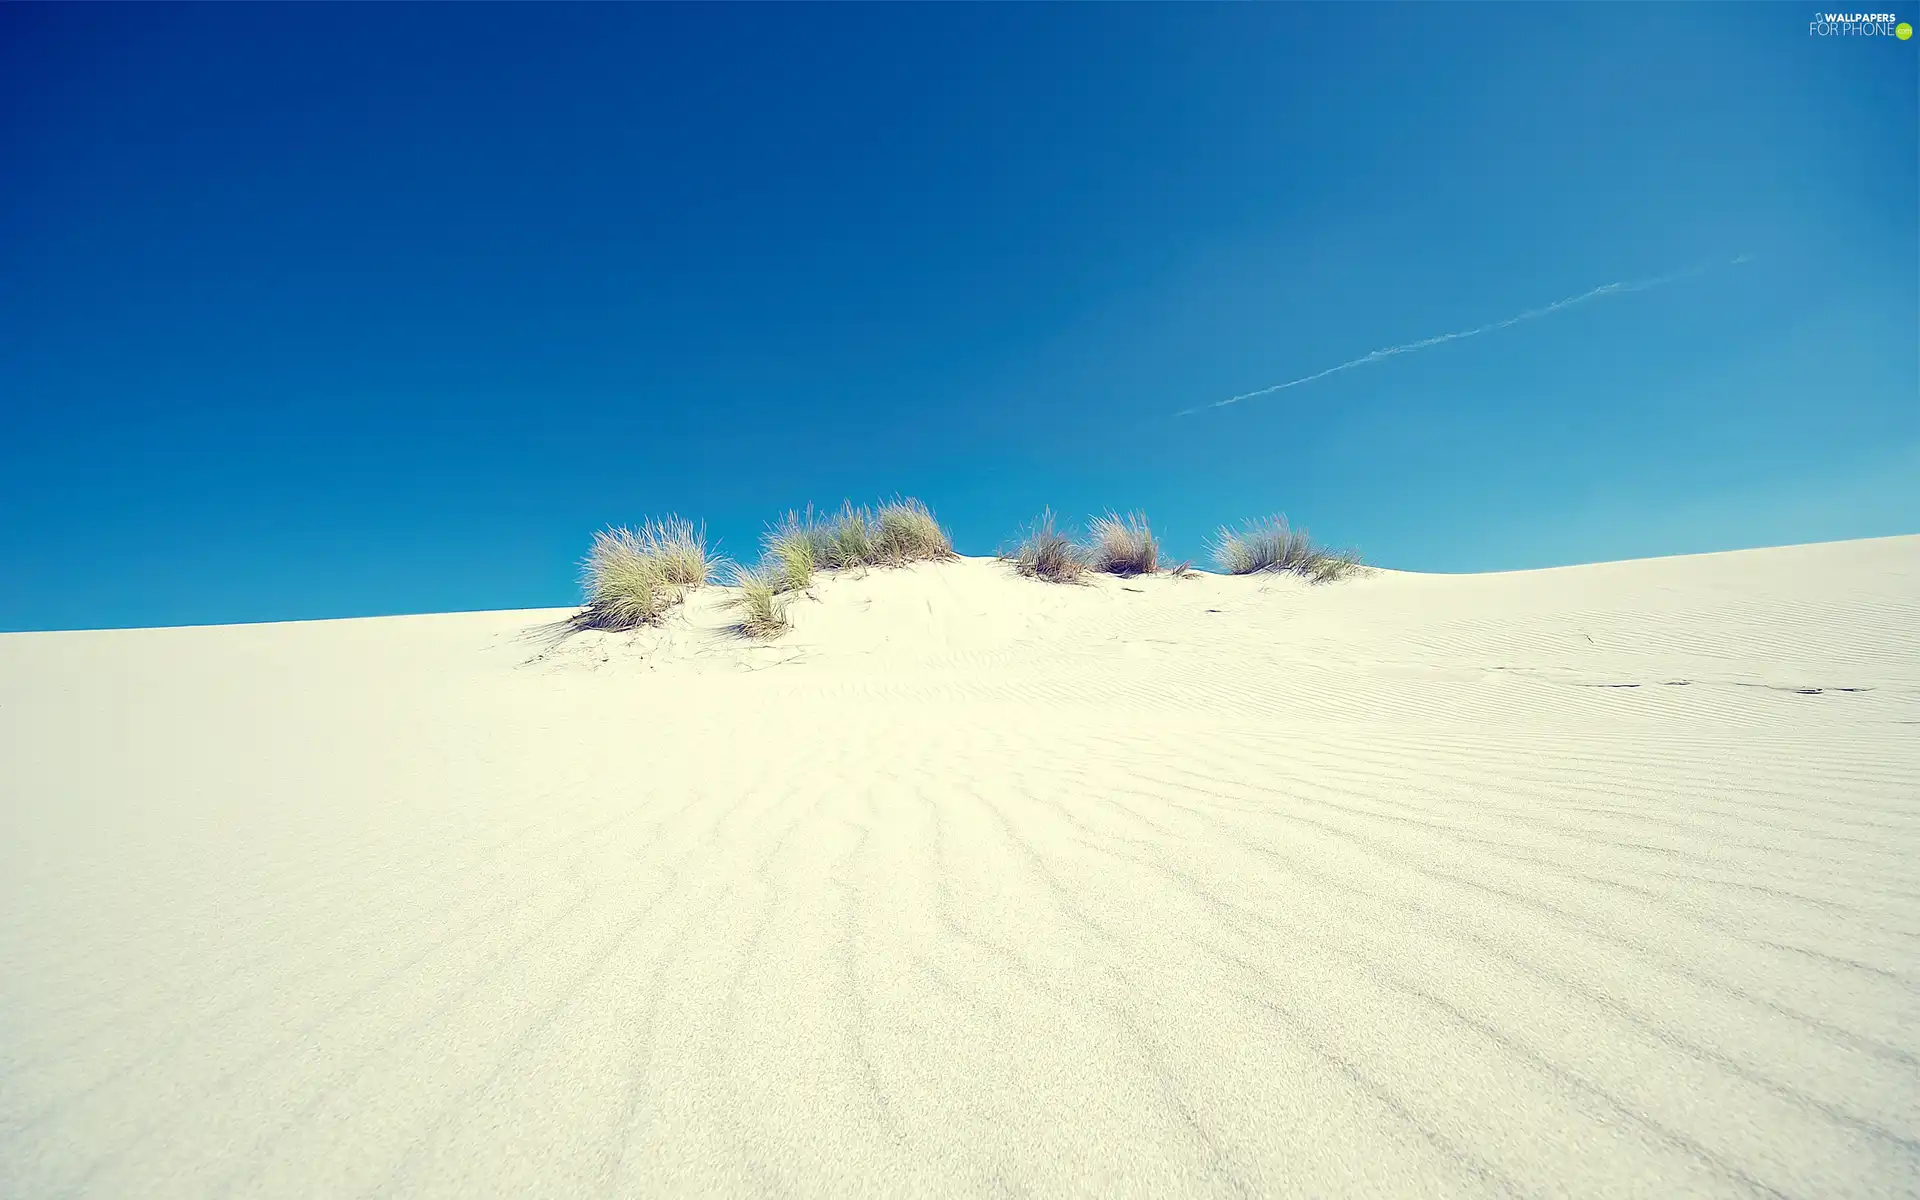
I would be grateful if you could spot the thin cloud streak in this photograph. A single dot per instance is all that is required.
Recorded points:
(1532, 314)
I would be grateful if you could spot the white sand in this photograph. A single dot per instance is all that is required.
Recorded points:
(1601, 881)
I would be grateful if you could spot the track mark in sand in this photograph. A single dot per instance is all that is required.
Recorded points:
(1798, 689)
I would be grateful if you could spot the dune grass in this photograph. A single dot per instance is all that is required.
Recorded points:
(761, 602)
(801, 544)
(1271, 546)
(1122, 545)
(905, 531)
(680, 549)
(632, 577)
(1044, 552)
(1336, 564)
(846, 539)
(791, 551)
(898, 532)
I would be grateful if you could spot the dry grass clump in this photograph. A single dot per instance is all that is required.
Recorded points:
(1044, 552)
(632, 577)
(679, 548)
(1339, 564)
(800, 544)
(1272, 546)
(904, 531)
(900, 531)
(846, 540)
(791, 551)
(1123, 545)
(760, 602)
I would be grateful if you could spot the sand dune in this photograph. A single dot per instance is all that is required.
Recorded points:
(1600, 881)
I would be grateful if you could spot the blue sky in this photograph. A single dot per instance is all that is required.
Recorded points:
(320, 311)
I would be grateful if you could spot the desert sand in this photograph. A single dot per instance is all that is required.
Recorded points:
(1595, 881)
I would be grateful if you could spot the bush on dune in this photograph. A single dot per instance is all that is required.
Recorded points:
(800, 545)
(760, 602)
(905, 531)
(633, 577)
(898, 532)
(1045, 553)
(1271, 546)
(1123, 545)
(845, 540)
(791, 551)
(1336, 565)
(680, 549)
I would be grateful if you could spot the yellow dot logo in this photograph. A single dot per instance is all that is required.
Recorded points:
(1903, 31)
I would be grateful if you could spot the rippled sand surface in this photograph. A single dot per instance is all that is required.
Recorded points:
(1599, 881)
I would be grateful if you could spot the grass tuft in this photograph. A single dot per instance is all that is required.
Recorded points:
(904, 531)
(1044, 552)
(1331, 565)
(900, 531)
(800, 544)
(791, 551)
(1123, 545)
(846, 539)
(1272, 546)
(632, 577)
(679, 548)
(760, 602)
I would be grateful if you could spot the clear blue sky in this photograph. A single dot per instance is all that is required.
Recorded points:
(317, 311)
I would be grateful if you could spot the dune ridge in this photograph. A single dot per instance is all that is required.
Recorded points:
(1594, 881)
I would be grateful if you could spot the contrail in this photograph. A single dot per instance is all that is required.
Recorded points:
(1532, 314)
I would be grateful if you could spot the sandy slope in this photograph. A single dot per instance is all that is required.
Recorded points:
(1601, 881)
